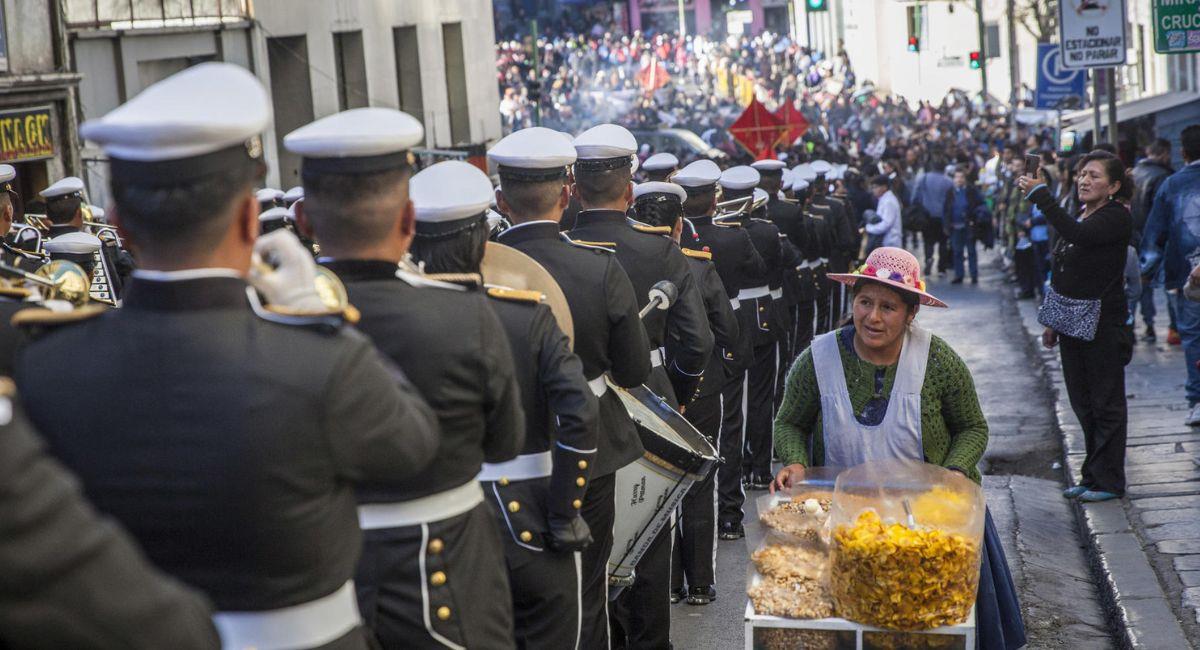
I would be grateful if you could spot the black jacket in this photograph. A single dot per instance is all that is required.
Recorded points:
(1147, 176)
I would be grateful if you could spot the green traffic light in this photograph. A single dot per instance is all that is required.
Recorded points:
(818, 5)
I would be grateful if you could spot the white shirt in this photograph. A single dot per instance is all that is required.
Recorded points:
(888, 209)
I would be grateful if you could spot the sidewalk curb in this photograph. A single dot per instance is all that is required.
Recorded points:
(1130, 592)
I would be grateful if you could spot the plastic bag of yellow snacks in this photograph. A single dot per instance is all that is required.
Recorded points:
(905, 547)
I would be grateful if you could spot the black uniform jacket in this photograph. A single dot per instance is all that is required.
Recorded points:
(227, 444)
(560, 409)
(722, 320)
(609, 337)
(450, 343)
(649, 259)
(72, 579)
(736, 259)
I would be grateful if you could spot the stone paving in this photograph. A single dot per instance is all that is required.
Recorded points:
(1040, 535)
(1146, 547)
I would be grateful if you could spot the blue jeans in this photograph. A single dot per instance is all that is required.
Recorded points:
(960, 238)
(1187, 318)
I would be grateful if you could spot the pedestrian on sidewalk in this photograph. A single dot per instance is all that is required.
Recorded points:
(930, 194)
(962, 206)
(885, 228)
(839, 395)
(1170, 241)
(1085, 310)
(1147, 175)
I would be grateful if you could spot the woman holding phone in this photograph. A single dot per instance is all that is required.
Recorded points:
(1085, 311)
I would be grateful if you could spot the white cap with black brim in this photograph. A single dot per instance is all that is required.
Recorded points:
(449, 197)
(357, 141)
(533, 155)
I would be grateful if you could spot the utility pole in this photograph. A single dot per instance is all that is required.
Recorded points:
(982, 48)
(1096, 72)
(1014, 67)
(1110, 75)
(682, 21)
(535, 86)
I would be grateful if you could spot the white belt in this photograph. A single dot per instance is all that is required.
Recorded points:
(777, 293)
(521, 468)
(824, 260)
(598, 385)
(306, 625)
(435, 507)
(656, 357)
(755, 292)
(808, 265)
(733, 302)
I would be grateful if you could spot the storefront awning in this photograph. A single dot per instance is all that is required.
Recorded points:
(1081, 121)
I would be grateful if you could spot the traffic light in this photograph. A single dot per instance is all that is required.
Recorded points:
(976, 60)
(817, 5)
(535, 90)
(914, 44)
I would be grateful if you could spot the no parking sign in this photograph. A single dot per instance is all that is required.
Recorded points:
(1055, 82)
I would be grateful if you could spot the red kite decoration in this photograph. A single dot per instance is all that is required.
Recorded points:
(758, 130)
(793, 120)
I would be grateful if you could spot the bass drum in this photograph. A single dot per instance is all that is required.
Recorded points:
(649, 489)
(506, 266)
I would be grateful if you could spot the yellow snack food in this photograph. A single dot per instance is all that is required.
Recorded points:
(902, 578)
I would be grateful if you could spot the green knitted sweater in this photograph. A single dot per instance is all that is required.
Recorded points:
(953, 430)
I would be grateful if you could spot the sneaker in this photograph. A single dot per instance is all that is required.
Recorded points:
(1149, 336)
(678, 595)
(1193, 418)
(1173, 337)
(1071, 492)
(729, 531)
(701, 595)
(1093, 496)
(956, 281)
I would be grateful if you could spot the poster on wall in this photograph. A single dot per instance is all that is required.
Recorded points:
(26, 134)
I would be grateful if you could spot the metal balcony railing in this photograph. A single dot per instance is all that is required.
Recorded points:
(149, 14)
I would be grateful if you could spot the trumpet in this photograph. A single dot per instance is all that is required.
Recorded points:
(734, 207)
(57, 280)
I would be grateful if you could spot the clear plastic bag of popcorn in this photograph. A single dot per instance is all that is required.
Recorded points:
(789, 580)
(905, 545)
(800, 514)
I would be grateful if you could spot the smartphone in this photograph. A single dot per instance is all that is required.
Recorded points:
(1032, 163)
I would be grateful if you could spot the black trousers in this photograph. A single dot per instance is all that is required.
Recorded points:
(599, 511)
(1023, 259)
(936, 242)
(760, 412)
(694, 556)
(1094, 372)
(824, 305)
(641, 617)
(397, 597)
(730, 440)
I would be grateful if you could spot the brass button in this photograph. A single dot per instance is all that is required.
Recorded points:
(435, 546)
(443, 613)
(764, 324)
(577, 503)
(583, 464)
(438, 578)
(503, 481)
(762, 308)
(513, 506)
(526, 536)
(580, 481)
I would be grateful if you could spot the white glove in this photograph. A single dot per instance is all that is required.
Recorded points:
(291, 284)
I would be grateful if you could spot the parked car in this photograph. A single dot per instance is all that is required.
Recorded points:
(686, 146)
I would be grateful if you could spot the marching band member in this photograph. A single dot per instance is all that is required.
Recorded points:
(543, 532)
(609, 337)
(64, 203)
(226, 437)
(432, 570)
(660, 166)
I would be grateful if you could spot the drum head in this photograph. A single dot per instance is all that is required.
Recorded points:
(509, 267)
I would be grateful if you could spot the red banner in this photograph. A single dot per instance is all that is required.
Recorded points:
(653, 76)
(758, 130)
(793, 120)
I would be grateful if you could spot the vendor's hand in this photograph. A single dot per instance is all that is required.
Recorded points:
(787, 476)
(285, 273)
(1049, 338)
(567, 535)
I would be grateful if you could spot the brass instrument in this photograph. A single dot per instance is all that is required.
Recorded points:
(734, 207)
(63, 280)
(331, 290)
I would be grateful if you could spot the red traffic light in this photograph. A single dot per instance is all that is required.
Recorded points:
(914, 44)
(975, 60)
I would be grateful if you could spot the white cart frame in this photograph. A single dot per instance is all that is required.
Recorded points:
(965, 629)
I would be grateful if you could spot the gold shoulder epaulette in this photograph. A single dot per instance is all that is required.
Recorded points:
(700, 255)
(518, 295)
(727, 224)
(8, 387)
(610, 246)
(653, 230)
(350, 314)
(42, 317)
(463, 279)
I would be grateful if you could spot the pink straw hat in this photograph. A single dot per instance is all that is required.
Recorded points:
(894, 267)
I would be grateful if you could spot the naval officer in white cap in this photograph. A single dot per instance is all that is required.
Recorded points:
(660, 166)
(228, 439)
(433, 570)
(64, 211)
(609, 337)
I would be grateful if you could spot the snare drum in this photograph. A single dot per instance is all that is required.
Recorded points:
(649, 489)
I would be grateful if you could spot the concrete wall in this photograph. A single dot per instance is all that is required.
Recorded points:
(319, 19)
(30, 47)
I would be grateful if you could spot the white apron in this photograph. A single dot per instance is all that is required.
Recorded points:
(849, 443)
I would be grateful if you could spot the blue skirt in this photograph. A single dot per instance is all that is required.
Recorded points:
(998, 621)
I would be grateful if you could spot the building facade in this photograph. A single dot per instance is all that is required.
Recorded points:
(38, 129)
(433, 60)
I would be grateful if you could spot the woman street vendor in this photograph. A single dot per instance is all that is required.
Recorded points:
(884, 388)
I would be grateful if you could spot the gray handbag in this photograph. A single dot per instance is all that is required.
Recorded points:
(1074, 317)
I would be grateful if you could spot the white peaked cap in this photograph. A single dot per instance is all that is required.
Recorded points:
(450, 190)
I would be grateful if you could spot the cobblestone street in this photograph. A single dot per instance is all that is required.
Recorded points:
(1045, 551)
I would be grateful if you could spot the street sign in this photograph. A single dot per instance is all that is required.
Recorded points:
(1055, 82)
(1176, 26)
(1092, 33)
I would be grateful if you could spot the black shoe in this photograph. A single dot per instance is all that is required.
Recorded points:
(1149, 336)
(701, 595)
(678, 595)
(956, 281)
(1025, 295)
(974, 280)
(729, 531)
